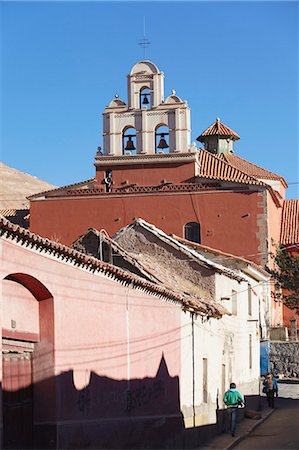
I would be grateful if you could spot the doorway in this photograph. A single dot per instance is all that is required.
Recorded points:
(17, 392)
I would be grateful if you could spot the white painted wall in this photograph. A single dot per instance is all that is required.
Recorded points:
(224, 341)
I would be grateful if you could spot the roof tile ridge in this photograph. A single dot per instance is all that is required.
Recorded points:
(237, 170)
(257, 166)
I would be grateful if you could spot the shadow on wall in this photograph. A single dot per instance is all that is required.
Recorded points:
(106, 414)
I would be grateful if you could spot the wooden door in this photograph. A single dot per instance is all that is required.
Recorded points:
(17, 400)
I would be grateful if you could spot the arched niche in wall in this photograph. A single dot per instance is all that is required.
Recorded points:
(129, 141)
(145, 98)
(162, 139)
(192, 232)
(28, 314)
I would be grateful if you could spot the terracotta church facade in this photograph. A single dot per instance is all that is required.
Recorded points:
(149, 168)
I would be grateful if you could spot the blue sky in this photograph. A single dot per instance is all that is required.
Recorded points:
(62, 62)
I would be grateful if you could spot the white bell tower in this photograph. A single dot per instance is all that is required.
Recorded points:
(144, 75)
(147, 124)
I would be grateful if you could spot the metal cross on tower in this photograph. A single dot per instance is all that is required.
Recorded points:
(144, 43)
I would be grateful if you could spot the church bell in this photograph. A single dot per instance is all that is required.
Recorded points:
(130, 144)
(145, 100)
(163, 143)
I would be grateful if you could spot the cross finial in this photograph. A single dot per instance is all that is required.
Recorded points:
(144, 43)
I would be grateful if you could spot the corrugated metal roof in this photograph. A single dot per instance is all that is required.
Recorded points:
(290, 222)
(218, 129)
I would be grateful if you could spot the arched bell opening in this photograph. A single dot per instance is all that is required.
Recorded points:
(145, 98)
(129, 141)
(162, 139)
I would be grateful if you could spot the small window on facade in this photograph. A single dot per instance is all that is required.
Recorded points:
(234, 302)
(249, 300)
(205, 380)
(192, 232)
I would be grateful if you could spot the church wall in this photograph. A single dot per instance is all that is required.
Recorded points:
(274, 226)
(230, 221)
(147, 174)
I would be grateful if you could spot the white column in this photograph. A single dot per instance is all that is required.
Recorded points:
(144, 132)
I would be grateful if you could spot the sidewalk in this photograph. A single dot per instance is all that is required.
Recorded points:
(225, 441)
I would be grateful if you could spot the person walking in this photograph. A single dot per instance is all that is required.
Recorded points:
(233, 399)
(271, 387)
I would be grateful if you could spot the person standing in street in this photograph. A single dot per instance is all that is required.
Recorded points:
(233, 399)
(270, 385)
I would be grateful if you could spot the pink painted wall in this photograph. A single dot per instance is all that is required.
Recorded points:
(18, 304)
(115, 352)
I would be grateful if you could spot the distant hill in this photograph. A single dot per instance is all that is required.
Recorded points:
(15, 186)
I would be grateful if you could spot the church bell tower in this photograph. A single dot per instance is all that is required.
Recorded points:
(147, 124)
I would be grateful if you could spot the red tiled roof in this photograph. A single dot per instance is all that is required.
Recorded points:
(218, 129)
(216, 168)
(251, 169)
(211, 167)
(30, 240)
(289, 233)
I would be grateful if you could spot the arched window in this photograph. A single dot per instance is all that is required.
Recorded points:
(162, 139)
(192, 232)
(129, 141)
(145, 98)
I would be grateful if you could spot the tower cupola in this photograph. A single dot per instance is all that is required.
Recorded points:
(218, 138)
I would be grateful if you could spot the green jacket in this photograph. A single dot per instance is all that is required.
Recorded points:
(233, 398)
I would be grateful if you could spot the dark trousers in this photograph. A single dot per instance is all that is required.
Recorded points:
(270, 398)
(233, 418)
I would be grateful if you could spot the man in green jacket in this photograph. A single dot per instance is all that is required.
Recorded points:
(233, 399)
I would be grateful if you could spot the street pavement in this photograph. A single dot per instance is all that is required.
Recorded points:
(279, 432)
(278, 429)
